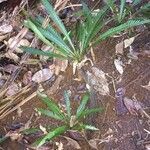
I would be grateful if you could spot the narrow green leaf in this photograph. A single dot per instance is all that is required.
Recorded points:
(30, 131)
(51, 105)
(90, 111)
(49, 113)
(82, 105)
(67, 100)
(58, 41)
(40, 52)
(53, 15)
(122, 27)
(56, 132)
(33, 27)
(122, 7)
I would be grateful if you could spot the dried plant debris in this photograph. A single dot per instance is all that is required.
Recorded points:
(133, 106)
(13, 89)
(27, 78)
(22, 42)
(120, 106)
(97, 80)
(72, 143)
(5, 28)
(43, 75)
(119, 65)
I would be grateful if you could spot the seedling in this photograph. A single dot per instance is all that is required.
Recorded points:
(69, 120)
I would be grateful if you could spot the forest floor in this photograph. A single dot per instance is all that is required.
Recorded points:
(119, 128)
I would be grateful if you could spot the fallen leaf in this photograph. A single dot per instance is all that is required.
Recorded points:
(132, 54)
(12, 56)
(120, 106)
(119, 65)
(16, 47)
(72, 143)
(147, 86)
(128, 42)
(43, 75)
(12, 89)
(6, 28)
(132, 105)
(119, 48)
(10, 68)
(97, 80)
(27, 78)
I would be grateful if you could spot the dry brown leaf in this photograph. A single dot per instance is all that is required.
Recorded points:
(43, 75)
(119, 65)
(27, 78)
(128, 42)
(97, 80)
(12, 56)
(22, 42)
(10, 68)
(119, 48)
(72, 143)
(12, 89)
(5, 28)
(132, 105)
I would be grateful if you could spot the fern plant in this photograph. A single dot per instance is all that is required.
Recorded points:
(74, 44)
(69, 120)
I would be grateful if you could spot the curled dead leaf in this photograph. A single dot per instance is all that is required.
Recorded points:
(119, 65)
(119, 48)
(43, 75)
(5, 28)
(72, 143)
(12, 56)
(128, 42)
(12, 89)
(10, 68)
(132, 105)
(27, 78)
(97, 80)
